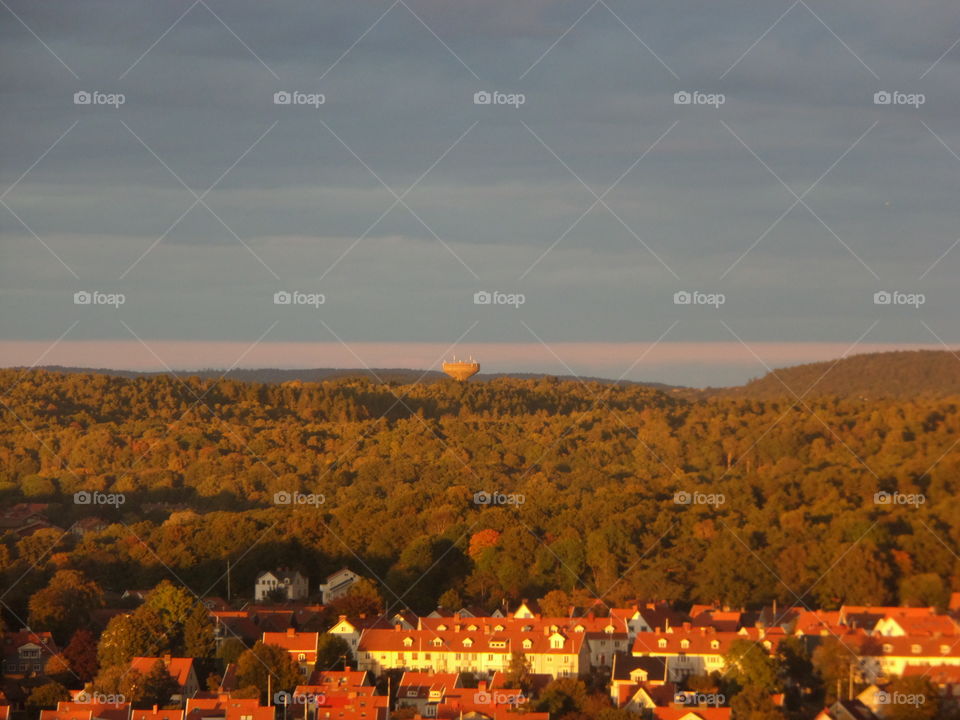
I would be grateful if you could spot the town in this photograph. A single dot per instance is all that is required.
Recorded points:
(296, 649)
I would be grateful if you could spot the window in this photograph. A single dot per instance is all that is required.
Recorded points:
(407, 641)
(684, 643)
(887, 648)
(915, 649)
(662, 642)
(301, 657)
(527, 644)
(441, 628)
(714, 644)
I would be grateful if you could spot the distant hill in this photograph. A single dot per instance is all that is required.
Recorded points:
(897, 374)
(401, 376)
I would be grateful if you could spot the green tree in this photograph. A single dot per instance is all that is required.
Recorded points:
(518, 674)
(333, 652)
(48, 695)
(139, 634)
(754, 703)
(262, 662)
(834, 663)
(65, 603)
(749, 665)
(363, 598)
(912, 698)
(158, 684)
(563, 696)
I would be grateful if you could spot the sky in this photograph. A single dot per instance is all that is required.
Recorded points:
(682, 192)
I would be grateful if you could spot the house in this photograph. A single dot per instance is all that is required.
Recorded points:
(724, 620)
(889, 656)
(846, 710)
(350, 632)
(484, 701)
(87, 711)
(87, 525)
(632, 680)
(479, 645)
(337, 585)
(687, 650)
(353, 706)
(426, 690)
(302, 647)
(25, 651)
(669, 713)
(331, 682)
(945, 677)
(223, 707)
(291, 581)
(157, 714)
(181, 670)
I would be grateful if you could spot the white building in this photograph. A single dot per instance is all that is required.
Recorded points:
(291, 581)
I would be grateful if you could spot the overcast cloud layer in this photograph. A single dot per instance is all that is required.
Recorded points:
(398, 198)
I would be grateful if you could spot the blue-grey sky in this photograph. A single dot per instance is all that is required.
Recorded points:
(787, 199)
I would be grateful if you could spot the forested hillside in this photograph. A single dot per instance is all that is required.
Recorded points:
(790, 490)
(901, 374)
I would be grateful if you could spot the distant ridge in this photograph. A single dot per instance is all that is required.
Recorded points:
(898, 374)
(389, 375)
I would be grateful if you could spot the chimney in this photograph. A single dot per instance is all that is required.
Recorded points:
(482, 686)
(397, 627)
(546, 631)
(291, 632)
(342, 618)
(166, 659)
(456, 628)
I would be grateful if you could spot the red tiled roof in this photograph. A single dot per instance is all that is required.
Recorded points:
(178, 667)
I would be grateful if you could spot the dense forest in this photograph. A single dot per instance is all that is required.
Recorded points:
(901, 374)
(779, 495)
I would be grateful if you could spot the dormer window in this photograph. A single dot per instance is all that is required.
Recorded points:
(527, 644)
(441, 627)
(407, 641)
(944, 649)
(684, 643)
(714, 644)
(556, 642)
(887, 648)
(498, 628)
(467, 642)
(472, 628)
(662, 642)
(437, 642)
(527, 628)
(915, 649)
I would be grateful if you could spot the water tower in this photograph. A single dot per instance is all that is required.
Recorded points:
(461, 370)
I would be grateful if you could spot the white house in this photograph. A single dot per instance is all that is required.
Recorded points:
(337, 585)
(291, 581)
